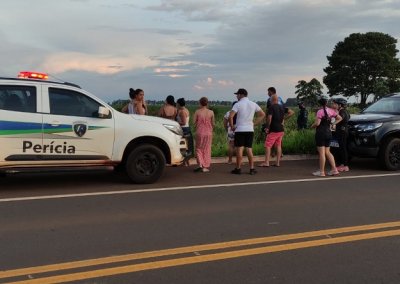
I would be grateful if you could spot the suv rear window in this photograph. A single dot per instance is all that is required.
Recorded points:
(18, 98)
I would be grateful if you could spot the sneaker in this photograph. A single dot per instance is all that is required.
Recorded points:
(333, 173)
(318, 174)
(253, 171)
(236, 171)
(205, 170)
(343, 168)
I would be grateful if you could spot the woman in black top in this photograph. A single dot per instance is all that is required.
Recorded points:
(341, 135)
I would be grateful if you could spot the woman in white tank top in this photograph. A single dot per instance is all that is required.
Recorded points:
(182, 118)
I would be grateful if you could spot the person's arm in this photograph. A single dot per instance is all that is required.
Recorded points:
(231, 115)
(316, 123)
(268, 122)
(125, 108)
(338, 119)
(212, 119)
(139, 108)
(144, 105)
(226, 123)
(161, 112)
(260, 117)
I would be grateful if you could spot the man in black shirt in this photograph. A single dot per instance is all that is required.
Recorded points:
(274, 130)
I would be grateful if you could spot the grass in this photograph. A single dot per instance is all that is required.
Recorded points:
(294, 141)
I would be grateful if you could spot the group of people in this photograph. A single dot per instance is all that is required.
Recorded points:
(331, 125)
(239, 122)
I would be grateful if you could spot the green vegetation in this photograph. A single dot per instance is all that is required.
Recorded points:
(294, 141)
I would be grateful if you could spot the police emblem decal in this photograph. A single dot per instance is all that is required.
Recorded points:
(80, 129)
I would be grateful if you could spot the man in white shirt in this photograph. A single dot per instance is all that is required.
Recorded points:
(244, 128)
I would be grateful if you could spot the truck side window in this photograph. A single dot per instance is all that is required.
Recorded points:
(72, 103)
(18, 98)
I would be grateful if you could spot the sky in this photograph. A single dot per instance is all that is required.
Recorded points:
(189, 49)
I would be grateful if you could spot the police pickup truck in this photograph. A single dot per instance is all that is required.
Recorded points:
(53, 126)
(375, 133)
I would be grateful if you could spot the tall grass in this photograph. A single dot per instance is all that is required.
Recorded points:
(294, 141)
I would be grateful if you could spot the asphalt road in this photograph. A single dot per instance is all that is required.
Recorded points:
(280, 226)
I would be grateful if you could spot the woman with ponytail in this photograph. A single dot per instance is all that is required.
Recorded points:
(323, 136)
(137, 105)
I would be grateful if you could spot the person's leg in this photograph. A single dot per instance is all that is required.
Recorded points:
(278, 155)
(331, 160)
(199, 152)
(267, 155)
(207, 151)
(322, 160)
(343, 158)
(239, 156)
(339, 155)
(278, 144)
(267, 146)
(231, 149)
(249, 152)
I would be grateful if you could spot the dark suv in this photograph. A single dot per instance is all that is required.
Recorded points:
(375, 132)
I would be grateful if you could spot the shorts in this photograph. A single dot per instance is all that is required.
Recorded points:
(244, 139)
(323, 139)
(274, 138)
(230, 136)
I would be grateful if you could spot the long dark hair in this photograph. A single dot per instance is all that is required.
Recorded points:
(133, 93)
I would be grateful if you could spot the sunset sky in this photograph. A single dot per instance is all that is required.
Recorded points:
(184, 48)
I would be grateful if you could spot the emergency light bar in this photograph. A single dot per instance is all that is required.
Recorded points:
(33, 75)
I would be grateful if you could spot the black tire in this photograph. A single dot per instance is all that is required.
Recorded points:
(145, 164)
(390, 154)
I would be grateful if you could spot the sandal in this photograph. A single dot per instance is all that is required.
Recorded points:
(333, 173)
(263, 165)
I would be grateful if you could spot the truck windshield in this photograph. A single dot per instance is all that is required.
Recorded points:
(388, 105)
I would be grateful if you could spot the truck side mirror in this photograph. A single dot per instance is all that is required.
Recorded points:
(103, 112)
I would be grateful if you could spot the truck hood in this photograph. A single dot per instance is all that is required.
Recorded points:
(153, 119)
(372, 117)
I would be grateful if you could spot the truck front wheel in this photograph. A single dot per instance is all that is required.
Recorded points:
(390, 156)
(145, 164)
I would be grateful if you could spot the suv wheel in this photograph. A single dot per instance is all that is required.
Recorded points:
(145, 164)
(390, 156)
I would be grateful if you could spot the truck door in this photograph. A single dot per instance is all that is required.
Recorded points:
(72, 127)
(20, 123)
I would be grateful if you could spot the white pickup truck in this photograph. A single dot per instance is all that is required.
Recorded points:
(52, 126)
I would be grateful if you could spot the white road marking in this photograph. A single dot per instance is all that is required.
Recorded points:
(135, 191)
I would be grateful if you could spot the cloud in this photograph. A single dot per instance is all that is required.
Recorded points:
(67, 61)
(188, 47)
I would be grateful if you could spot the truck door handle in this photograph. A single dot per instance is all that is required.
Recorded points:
(55, 123)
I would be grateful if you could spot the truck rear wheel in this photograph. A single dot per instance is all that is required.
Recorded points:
(390, 156)
(145, 164)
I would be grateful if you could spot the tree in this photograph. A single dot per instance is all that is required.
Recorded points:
(381, 89)
(362, 64)
(309, 92)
